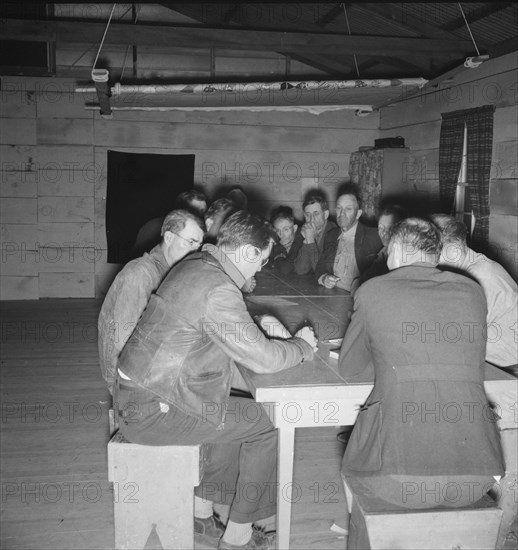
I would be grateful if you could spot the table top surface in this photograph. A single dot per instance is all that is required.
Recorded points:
(269, 283)
(296, 301)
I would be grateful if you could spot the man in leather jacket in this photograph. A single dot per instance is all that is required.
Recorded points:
(176, 370)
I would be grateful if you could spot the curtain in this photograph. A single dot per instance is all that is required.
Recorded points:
(480, 141)
(479, 122)
(365, 171)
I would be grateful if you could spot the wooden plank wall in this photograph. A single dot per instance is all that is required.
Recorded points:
(418, 120)
(53, 173)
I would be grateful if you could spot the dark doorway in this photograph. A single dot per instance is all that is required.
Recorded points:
(141, 187)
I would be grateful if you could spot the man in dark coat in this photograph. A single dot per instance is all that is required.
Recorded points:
(316, 236)
(284, 251)
(352, 250)
(426, 435)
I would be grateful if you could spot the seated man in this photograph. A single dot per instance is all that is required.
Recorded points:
(284, 252)
(179, 362)
(316, 235)
(500, 289)
(215, 215)
(353, 250)
(193, 201)
(425, 436)
(182, 232)
(390, 215)
(148, 235)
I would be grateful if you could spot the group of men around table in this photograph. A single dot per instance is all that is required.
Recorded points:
(174, 325)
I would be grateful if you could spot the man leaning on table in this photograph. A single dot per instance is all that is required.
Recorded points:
(426, 435)
(176, 370)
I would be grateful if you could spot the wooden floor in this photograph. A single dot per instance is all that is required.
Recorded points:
(54, 430)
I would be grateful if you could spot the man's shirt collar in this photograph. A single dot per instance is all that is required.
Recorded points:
(228, 266)
(158, 255)
(350, 233)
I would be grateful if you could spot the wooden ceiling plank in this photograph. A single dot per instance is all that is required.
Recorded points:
(476, 15)
(504, 47)
(324, 63)
(394, 14)
(205, 37)
(331, 15)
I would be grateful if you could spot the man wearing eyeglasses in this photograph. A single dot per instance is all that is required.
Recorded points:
(182, 232)
(180, 360)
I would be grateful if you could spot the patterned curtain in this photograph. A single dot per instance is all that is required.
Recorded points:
(479, 122)
(480, 141)
(365, 170)
(450, 158)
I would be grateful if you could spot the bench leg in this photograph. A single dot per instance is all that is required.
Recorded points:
(175, 520)
(508, 490)
(131, 530)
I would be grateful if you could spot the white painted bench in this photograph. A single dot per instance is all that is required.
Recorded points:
(374, 526)
(153, 487)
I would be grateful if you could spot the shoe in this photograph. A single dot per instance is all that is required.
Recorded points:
(260, 540)
(208, 530)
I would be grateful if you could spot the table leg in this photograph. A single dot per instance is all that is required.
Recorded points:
(284, 494)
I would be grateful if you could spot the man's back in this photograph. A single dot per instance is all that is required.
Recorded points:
(416, 316)
(424, 331)
(124, 303)
(502, 308)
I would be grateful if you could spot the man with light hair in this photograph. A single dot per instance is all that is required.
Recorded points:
(182, 232)
(500, 289)
(149, 234)
(353, 249)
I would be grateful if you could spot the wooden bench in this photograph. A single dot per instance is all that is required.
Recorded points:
(374, 525)
(507, 496)
(153, 487)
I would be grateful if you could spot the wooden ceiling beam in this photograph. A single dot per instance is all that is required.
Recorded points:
(300, 43)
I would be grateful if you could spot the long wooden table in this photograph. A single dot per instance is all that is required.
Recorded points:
(313, 393)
